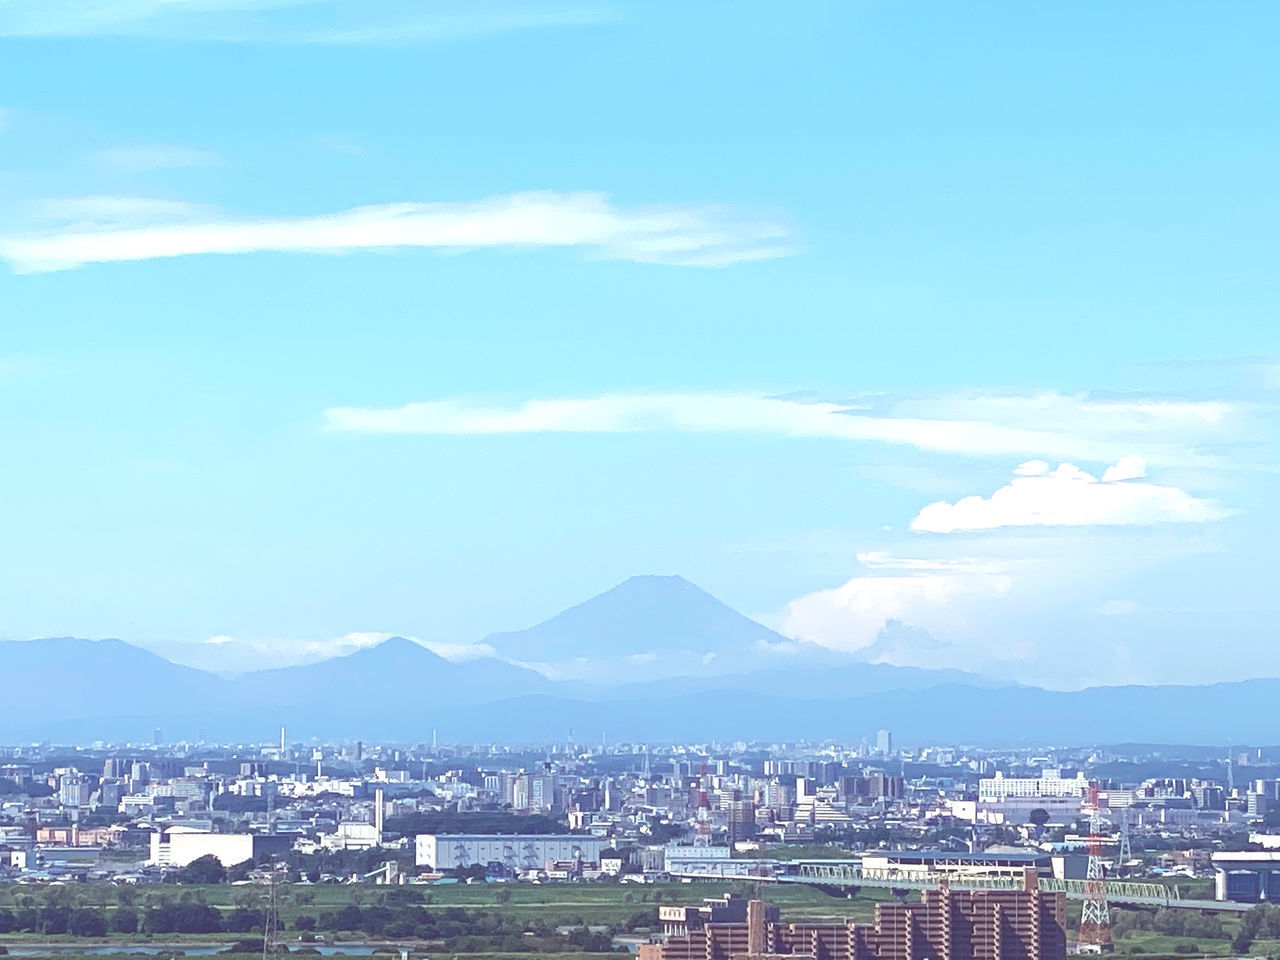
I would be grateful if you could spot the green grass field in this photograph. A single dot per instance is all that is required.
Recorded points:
(554, 904)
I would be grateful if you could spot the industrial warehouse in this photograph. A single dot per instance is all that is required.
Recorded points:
(508, 855)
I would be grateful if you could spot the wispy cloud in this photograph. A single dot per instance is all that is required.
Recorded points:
(1160, 433)
(1070, 497)
(683, 236)
(451, 21)
(6, 119)
(144, 158)
(107, 212)
(234, 655)
(294, 21)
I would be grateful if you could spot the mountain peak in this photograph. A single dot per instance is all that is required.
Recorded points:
(644, 616)
(400, 647)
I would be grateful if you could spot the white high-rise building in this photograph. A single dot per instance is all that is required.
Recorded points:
(884, 743)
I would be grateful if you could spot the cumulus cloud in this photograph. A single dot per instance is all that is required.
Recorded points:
(1071, 497)
(683, 236)
(854, 616)
(1006, 432)
(144, 158)
(903, 645)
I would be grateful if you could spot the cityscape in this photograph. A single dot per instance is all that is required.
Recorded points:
(648, 479)
(820, 849)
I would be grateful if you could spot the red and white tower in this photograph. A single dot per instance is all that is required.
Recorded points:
(1095, 914)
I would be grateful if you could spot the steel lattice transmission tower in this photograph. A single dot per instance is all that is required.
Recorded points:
(1095, 914)
(271, 919)
(1126, 848)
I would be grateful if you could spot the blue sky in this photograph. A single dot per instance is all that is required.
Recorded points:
(328, 320)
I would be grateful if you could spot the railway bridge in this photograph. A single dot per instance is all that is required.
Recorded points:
(837, 875)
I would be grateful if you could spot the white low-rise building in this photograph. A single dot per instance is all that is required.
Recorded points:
(178, 846)
(515, 854)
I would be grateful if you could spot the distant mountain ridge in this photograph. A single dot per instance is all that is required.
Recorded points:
(394, 670)
(72, 689)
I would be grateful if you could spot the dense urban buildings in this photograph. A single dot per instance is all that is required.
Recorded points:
(946, 925)
(638, 813)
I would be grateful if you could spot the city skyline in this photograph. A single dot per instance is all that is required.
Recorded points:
(939, 338)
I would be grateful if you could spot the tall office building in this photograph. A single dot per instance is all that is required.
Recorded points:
(884, 743)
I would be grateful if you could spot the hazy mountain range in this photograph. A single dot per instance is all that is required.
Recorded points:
(724, 676)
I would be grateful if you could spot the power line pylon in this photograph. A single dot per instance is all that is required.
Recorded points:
(1095, 914)
(271, 922)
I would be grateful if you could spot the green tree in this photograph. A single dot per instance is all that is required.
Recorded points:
(244, 920)
(206, 869)
(1250, 924)
(125, 920)
(240, 871)
(87, 923)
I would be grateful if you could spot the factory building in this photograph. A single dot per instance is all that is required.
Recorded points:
(1050, 783)
(179, 846)
(1247, 877)
(505, 854)
(948, 924)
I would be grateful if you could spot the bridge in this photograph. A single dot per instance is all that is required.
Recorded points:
(848, 874)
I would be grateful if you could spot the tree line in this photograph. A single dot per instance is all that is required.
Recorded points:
(402, 916)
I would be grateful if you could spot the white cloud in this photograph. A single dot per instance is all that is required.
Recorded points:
(458, 652)
(879, 560)
(293, 21)
(1080, 436)
(1069, 496)
(6, 118)
(699, 237)
(853, 616)
(1126, 468)
(144, 158)
(108, 212)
